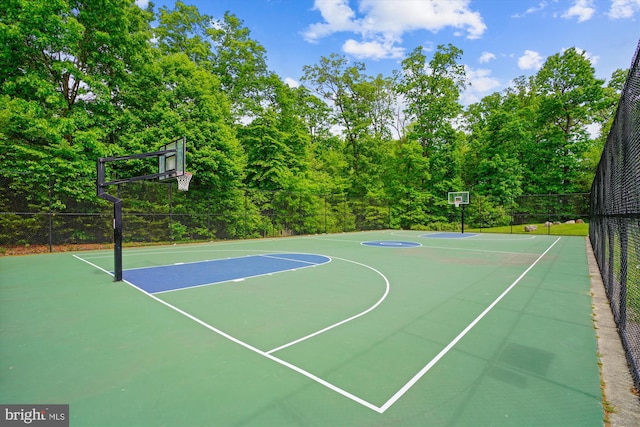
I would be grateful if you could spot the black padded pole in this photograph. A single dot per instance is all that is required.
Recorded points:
(462, 218)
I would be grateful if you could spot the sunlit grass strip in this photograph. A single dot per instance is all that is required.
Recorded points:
(556, 230)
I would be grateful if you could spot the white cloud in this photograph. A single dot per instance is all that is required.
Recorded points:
(623, 8)
(142, 4)
(582, 9)
(481, 85)
(399, 16)
(530, 60)
(486, 57)
(291, 82)
(372, 49)
(381, 24)
(338, 16)
(481, 81)
(533, 9)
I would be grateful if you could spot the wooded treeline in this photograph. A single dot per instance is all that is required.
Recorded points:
(82, 79)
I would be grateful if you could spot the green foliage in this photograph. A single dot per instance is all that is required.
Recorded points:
(483, 213)
(178, 231)
(82, 79)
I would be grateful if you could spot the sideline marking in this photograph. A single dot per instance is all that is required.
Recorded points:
(464, 332)
(479, 250)
(404, 389)
(183, 276)
(448, 235)
(391, 244)
(504, 237)
(252, 348)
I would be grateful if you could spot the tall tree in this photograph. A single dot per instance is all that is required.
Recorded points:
(184, 30)
(569, 94)
(63, 64)
(240, 63)
(267, 153)
(431, 91)
(356, 101)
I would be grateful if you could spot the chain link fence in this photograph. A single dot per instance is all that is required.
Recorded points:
(156, 212)
(615, 217)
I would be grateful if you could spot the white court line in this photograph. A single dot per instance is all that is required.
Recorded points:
(133, 252)
(342, 322)
(413, 234)
(479, 250)
(313, 264)
(464, 332)
(442, 247)
(404, 389)
(336, 240)
(249, 346)
(237, 280)
(306, 264)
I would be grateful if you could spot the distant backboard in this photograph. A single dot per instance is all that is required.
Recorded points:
(172, 163)
(458, 198)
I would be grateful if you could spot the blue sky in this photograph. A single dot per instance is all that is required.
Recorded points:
(501, 39)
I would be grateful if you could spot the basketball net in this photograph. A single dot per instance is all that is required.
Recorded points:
(457, 203)
(183, 181)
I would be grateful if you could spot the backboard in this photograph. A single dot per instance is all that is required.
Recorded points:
(458, 198)
(172, 163)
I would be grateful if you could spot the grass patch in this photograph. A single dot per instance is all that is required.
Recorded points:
(556, 230)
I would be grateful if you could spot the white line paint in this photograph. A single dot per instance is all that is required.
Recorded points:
(309, 265)
(295, 260)
(93, 265)
(250, 347)
(449, 346)
(404, 389)
(479, 250)
(443, 247)
(342, 322)
(488, 235)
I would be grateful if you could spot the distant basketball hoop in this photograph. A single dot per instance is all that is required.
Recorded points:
(459, 199)
(183, 181)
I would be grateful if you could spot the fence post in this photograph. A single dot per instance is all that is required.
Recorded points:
(511, 206)
(549, 213)
(344, 217)
(324, 196)
(170, 213)
(624, 261)
(244, 233)
(50, 217)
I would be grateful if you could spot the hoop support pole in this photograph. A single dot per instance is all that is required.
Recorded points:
(101, 187)
(117, 222)
(462, 218)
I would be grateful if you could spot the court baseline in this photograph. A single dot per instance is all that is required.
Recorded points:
(403, 390)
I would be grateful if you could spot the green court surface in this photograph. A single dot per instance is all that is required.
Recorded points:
(485, 330)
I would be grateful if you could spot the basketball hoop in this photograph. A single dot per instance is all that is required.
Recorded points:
(183, 181)
(457, 201)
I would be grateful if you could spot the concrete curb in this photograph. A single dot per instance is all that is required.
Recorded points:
(618, 383)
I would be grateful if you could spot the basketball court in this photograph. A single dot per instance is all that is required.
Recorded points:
(402, 328)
